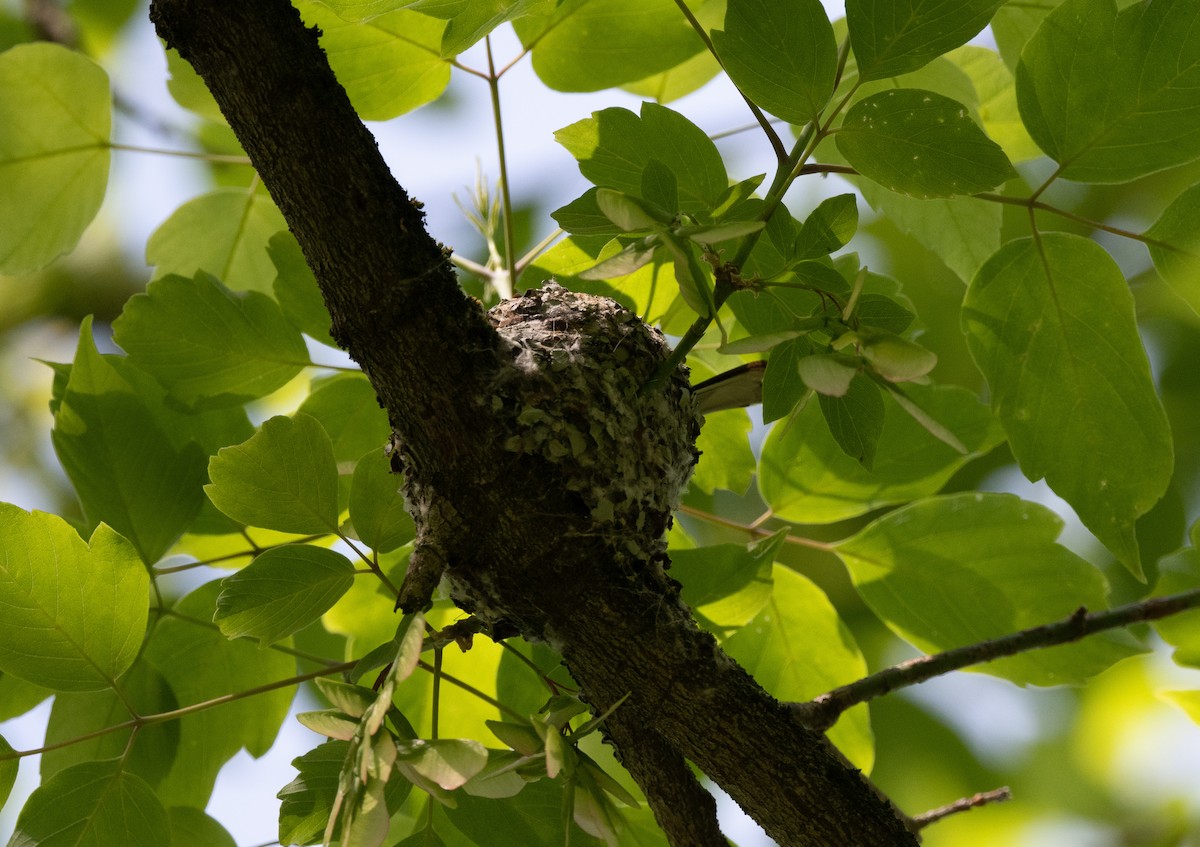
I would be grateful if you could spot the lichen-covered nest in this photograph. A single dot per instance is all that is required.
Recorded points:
(575, 396)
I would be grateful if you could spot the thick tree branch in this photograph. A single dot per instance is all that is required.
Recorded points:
(520, 542)
(823, 711)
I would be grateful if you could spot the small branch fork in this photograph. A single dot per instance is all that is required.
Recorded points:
(822, 712)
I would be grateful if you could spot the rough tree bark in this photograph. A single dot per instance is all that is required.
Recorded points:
(532, 520)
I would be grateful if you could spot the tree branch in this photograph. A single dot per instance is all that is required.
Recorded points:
(823, 711)
(517, 543)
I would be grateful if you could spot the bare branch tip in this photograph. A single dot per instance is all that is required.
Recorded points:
(983, 798)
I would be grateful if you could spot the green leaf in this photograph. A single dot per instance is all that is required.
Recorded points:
(1189, 701)
(588, 45)
(120, 457)
(922, 144)
(282, 591)
(797, 647)
(726, 585)
(208, 345)
(997, 105)
(8, 771)
(783, 386)
(829, 375)
(614, 146)
(962, 232)
(225, 233)
(725, 439)
(1174, 244)
(877, 311)
(964, 568)
(307, 800)
(193, 828)
(348, 410)
(18, 696)
(295, 289)
(283, 478)
(377, 508)
(74, 613)
(1180, 572)
(827, 228)
(855, 420)
(77, 714)
(389, 65)
(55, 120)
(199, 663)
(626, 213)
(894, 358)
(189, 89)
(471, 20)
(530, 819)
(582, 216)
(446, 762)
(1050, 322)
(92, 804)
(1112, 97)
(893, 37)
(781, 55)
(631, 257)
(804, 476)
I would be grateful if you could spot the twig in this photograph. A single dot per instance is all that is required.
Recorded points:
(997, 795)
(822, 712)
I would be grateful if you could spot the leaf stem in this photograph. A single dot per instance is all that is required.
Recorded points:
(216, 158)
(757, 529)
(510, 250)
(467, 687)
(823, 711)
(768, 130)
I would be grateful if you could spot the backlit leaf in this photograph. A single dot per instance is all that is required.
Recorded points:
(804, 476)
(587, 45)
(1050, 323)
(614, 146)
(74, 612)
(1174, 244)
(377, 507)
(855, 419)
(922, 144)
(283, 478)
(283, 590)
(389, 65)
(964, 568)
(780, 54)
(797, 647)
(199, 663)
(93, 804)
(190, 827)
(1113, 96)
(208, 345)
(129, 470)
(55, 119)
(893, 37)
(225, 233)
(295, 289)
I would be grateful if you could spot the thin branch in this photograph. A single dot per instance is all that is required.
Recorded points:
(1031, 203)
(756, 528)
(163, 717)
(467, 687)
(772, 135)
(510, 254)
(823, 711)
(997, 795)
(537, 249)
(218, 158)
